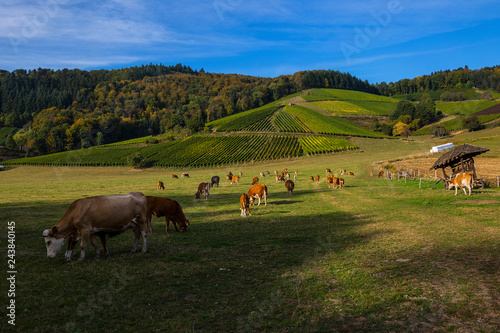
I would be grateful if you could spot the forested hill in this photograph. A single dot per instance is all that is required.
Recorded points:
(68, 109)
(457, 80)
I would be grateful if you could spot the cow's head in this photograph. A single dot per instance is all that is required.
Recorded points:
(197, 195)
(52, 243)
(183, 224)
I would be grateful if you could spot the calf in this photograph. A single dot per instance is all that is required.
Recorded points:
(244, 205)
(169, 208)
(160, 186)
(203, 188)
(258, 192)
(214, 181)
(463, 180)
(235, 180)
(289, 186)
(255, 180)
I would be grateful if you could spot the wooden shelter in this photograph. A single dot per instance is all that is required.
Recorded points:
(460, 159)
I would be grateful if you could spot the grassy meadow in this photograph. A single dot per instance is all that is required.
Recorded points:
(377, 256)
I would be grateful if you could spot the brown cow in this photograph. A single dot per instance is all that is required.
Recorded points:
(463, 180)
(185, 175)
(98, 216)
(289, 186)
(175, 177)
(317, 178)
(341, 180)
(371, 173)
(255, 180)
(257, 192)
(244, 205)
(160, 186)
(262, 174)
(312, 178)
(204, 188)
(240, 174)
(334, 181)
(229, 176)
(380, 174)
(328, 170)
(351, 173)
(169, 208)
(236, 179)
(295, 175)
(342, 171)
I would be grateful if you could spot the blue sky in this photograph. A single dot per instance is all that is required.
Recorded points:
(374, 40)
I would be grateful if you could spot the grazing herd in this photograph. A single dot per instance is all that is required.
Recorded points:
(110, 215)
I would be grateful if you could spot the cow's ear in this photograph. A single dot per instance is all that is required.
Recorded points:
(54, 230)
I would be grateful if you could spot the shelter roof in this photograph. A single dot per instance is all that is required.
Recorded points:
(454, 156)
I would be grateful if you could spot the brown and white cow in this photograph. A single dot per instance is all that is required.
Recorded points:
(98, 216)
(342, 171)
(255, 180)
(169, 208)
(203, 188)
(262, 174)
(229, 176)
(235, 180)
(295, 175)
(257, 192)
(341, 180)
(244, 205)
(289, 186)
(463, 180)
(160, 186)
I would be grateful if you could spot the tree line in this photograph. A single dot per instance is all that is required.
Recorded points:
(70, 109)
(450, 84)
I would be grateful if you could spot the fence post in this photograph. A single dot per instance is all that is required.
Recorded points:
(498, 181)
(420, 183)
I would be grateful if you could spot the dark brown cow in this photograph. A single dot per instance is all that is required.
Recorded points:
(107, 215)
(160, 186)
(312, 178)
(244, 205)
(255, 180)
(169, 208)
(203, 188)
(289, 186)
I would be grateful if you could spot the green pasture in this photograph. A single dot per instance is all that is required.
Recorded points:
(377, 256)
(312, 95)
(356, 107)
(465, 107)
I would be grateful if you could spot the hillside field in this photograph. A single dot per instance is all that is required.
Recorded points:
(377, 256)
